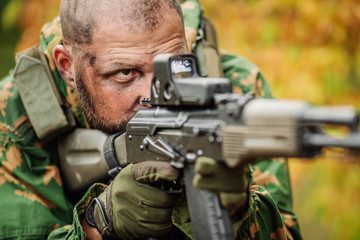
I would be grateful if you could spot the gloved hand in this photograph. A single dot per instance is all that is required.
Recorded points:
(232, 184)
(132, 208)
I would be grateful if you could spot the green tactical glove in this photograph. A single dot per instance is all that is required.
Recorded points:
(130, 208)
(232, 184)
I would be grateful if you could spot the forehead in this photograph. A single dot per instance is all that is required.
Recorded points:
(116, 34)
(136, 14)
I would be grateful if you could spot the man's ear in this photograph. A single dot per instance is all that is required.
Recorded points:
(64, 66)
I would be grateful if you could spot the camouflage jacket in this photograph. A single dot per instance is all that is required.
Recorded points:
(34, 204)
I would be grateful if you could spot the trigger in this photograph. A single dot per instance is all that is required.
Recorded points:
(172, 186)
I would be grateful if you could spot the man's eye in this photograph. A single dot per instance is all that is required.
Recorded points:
(125, 73)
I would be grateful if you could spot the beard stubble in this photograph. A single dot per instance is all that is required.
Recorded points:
(89, 107)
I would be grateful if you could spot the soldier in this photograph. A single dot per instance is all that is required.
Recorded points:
(102, 65)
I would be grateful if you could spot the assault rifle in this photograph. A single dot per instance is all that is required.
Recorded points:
(194, 116)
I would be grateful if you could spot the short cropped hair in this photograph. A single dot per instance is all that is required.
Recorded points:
(78, 17)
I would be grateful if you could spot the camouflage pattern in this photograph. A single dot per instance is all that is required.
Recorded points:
(74, 230)
(33, 201)
(191, 10)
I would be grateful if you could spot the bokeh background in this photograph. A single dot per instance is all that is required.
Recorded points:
(307, 49)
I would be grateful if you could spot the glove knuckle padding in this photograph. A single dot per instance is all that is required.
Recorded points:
(215, 176)
(139, 209)
(153, 171)
(232, 184)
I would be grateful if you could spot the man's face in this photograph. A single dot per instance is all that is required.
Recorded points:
(115, 72)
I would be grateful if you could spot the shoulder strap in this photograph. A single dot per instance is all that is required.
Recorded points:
(47, 111)
(206, 50)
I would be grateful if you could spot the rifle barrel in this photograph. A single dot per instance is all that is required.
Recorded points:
(319, 140)
(331, 115)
